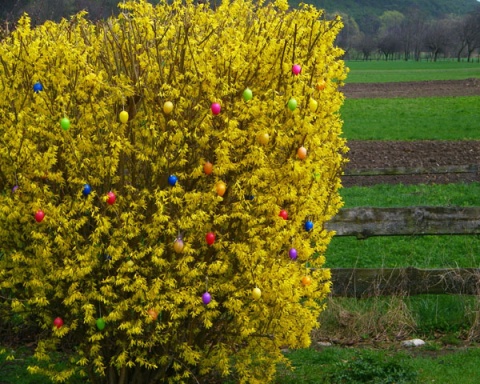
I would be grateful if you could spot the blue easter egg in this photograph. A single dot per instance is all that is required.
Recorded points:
(308, 225)
(37, 87)
(172, 180)
(86, 189)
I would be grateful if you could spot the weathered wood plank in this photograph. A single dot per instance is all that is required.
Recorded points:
(364, 222)
(358, 282)
(472, 168)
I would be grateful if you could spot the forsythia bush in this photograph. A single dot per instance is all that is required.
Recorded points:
(166, 176)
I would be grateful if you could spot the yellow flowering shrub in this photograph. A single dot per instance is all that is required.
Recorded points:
(166, 177)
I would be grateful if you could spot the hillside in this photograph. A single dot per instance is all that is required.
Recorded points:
(359, 9)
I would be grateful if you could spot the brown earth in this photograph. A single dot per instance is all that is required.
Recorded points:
(409, 154)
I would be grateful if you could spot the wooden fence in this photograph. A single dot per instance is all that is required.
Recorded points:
(365, 222)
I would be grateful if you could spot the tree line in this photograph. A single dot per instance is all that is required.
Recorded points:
(411, 36)
(407, 35)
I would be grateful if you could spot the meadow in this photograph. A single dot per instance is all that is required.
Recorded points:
(382, 71)
(435, 118)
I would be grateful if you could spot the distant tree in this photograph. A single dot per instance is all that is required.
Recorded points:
(366, 44)
(411, 33)
(438, 37)
(369, 24)
(390, 20)
(349, 35)
(389, 44)
(472, 32)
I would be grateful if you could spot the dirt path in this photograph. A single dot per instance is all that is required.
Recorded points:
(468, 87)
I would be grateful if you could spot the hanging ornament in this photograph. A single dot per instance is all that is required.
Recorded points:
(172, 180)
(87, 189)
(210, 238)
(302, 153)
(283, 214)
(153, 314)
(39, 216)
(111, 198)
(308, 225)
(292, 104)
(263, 138)
(321, 85)
(221, 187)
(37, 87)
(100, 324)
(313, 104)
(247, 94)
(65, 124)
(206, 298)
(296, 69)
(123, 117)
(168, 107)
(178, 245)
(293, 253)
(256, 293)
(15, 188)
(58, 322)
(208, 168)
(306, 280)
(216, 108)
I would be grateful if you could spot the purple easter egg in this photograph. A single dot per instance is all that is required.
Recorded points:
(206, 298)
(292, 253)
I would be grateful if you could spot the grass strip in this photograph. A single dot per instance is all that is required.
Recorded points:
(382, 71)
(366, 365)
(432, 118)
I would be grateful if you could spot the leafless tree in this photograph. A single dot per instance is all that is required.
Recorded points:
(412, 33)
(366, 44)
(349, 35)
(472, 32)
(438, 37)
(389, 44)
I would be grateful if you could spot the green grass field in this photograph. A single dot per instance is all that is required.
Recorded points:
(351, 365)
(435, 118)
(392, 71)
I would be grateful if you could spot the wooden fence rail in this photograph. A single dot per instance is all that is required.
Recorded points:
(472, 168)
(365, 222)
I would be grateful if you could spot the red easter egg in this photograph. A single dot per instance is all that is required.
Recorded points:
(283, 214)
(210, 238)
(111, 198)
(39, 216)
(58, 322)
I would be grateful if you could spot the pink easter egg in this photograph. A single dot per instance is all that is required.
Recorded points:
(216, 108)
(296, 69)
